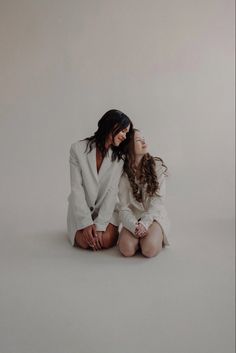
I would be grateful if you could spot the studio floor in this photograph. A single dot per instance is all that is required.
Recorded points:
(59, 299)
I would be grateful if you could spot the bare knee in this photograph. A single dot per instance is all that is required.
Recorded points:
(79, 241)
(150, 251)
(108, 242)
(110, 238)
(127, 249)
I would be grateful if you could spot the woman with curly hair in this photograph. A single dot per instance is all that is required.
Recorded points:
(142, 201)
(96, 165)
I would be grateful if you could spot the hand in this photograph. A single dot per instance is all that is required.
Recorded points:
(99, 240)
(140, 231)
(89, 235)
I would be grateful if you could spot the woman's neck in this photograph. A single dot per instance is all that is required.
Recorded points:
(137, 162)
(107, 146)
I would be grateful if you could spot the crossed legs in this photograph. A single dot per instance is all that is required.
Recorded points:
(150, 245)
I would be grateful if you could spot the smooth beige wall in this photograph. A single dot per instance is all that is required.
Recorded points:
(169, 65)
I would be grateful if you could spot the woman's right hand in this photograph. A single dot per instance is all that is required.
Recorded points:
(89, 234)
(99, 240)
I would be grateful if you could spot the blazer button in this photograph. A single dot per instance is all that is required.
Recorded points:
(91, 208)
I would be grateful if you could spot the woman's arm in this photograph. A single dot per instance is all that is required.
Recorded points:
(127, 217)
(81, 211)
(156, 204)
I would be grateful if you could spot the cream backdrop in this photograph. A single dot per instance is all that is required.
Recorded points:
(168, 65)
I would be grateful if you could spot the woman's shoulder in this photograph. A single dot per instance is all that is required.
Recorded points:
(124, 180)
(160, 168)
(124, 187)
(79, 145)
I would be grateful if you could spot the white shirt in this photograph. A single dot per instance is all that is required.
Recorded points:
(153, 208)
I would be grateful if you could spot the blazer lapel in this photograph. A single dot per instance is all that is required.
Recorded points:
(106, 163)
(92, 162)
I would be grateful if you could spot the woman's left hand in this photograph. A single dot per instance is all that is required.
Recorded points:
(99, 239)
(140, 231)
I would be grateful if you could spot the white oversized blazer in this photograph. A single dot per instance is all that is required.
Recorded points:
(153, 208)
(94, 195)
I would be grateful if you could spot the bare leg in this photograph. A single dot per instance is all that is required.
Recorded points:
(151, 244)
(79, 241)
(110, 236)
(128, 244)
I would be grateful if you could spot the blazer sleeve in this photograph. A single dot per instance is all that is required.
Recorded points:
(126, 215)
(157, 203)
(81, 211)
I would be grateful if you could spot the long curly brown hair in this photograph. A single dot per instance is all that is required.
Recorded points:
(145, 175)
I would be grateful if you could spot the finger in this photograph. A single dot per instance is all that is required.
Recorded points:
(101, 241)
(98, 244)
(91, 238)
(100, 238)
(91, 245)
(96, 247)
(89, 241)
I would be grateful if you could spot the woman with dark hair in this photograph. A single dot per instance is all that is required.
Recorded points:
(142, 201)
(96, 165)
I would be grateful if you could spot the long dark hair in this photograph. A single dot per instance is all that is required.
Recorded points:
(147, 175)
(113, 121)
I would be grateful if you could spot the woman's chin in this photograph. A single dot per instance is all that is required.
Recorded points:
(117, 143)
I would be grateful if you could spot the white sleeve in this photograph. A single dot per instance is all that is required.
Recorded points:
(127, 217)
(80, 209)
(156, 204)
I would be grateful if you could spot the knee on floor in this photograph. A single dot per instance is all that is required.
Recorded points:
(127, 250)
(150, 251)
(79, 242)
(109, 241)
